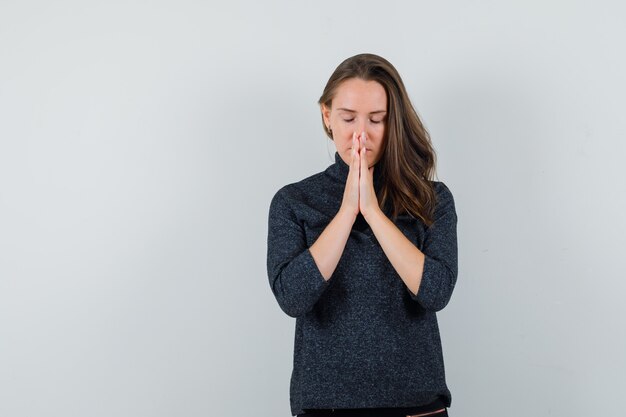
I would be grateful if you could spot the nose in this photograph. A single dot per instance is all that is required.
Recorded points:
(360, 128)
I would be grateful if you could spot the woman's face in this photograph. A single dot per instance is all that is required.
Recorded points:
(358, 106)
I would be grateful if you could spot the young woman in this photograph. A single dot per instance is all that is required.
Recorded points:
(363, 255)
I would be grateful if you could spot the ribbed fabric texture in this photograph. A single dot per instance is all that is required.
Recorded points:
(362, 339)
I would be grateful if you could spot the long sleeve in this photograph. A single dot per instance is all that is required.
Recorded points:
(441, 255)
(346, 327)
(293, 275)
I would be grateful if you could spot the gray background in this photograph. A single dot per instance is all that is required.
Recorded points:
(141, 143)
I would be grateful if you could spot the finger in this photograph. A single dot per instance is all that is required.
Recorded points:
(363, 168)
(367, 152)
(362, 142)
(355, 156)
(363, 155)
(365, 148)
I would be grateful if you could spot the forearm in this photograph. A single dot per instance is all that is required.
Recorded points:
(329, 246)
(404, 256)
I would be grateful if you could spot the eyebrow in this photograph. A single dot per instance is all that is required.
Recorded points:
(354, 111)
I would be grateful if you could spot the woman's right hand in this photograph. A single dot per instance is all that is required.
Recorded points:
(350, 202)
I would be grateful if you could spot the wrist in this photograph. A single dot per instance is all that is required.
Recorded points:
(347, 215)
(373, 214)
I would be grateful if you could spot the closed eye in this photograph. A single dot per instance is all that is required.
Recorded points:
(373, 121)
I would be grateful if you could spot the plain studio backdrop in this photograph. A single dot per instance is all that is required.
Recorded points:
(142, 142)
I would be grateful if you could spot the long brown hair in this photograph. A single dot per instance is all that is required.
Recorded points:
(408, 160)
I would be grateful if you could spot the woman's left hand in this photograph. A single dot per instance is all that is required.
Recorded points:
(368, 203)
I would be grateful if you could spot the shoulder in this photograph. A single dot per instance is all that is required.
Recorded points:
(441, 189)
(299, 190)
(445, 199)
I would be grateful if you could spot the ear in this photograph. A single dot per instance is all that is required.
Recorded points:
(325, 113)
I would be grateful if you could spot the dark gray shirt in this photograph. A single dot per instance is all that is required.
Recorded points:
(362, 339)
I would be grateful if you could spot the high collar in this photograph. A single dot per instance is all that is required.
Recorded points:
(339, 172)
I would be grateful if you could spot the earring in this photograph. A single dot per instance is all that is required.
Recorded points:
(330, 131)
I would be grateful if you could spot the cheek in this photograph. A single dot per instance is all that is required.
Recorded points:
(378, 131)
